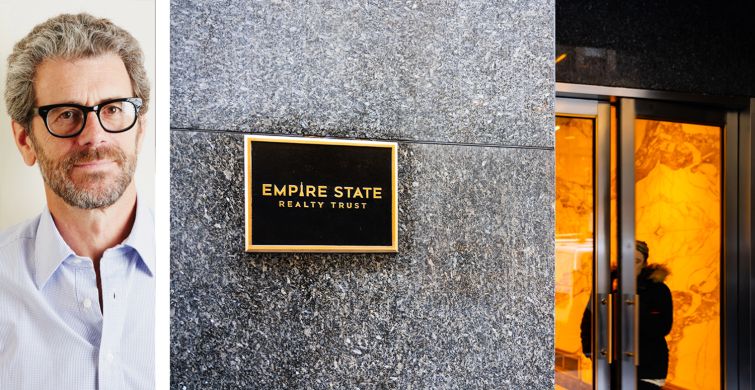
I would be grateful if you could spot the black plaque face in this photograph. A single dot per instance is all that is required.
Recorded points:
(320, 195)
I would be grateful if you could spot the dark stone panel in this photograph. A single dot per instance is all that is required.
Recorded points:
(466, 303)
(469, 71)
(700, 47)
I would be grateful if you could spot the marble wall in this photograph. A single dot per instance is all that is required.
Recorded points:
(466, 89)
(678, 213)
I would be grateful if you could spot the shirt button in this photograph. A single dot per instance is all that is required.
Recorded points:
(87, 303)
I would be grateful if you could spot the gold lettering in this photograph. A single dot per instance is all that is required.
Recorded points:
(322, 191)
(290, 203)
(364, 205)
(320, 203)
(292, 189)
(281, 203)
(332, 205)
(297, 204)
(279, 191)
(267, 189)
(353, 192)
(340, 205)
(310, 190)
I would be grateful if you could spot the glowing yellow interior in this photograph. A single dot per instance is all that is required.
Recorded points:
(678, 213)
(574, 247)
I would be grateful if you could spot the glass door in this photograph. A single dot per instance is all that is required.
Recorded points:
(574, 247)
(640, 245)
(579, 248)
(675, 154)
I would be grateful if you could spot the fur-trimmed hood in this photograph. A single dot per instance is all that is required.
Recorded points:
(655, 273)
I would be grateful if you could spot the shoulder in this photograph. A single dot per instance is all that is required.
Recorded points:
(26, 230)
(17, 246)
(15, 237)
(658, 290)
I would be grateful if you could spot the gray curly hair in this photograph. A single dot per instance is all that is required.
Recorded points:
(69, 37)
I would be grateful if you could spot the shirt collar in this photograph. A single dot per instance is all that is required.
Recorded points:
(142, 236)
(50, 249)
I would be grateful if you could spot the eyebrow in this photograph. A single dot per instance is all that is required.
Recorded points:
(81, 104)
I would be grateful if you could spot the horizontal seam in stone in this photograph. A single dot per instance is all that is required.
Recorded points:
(400, 140)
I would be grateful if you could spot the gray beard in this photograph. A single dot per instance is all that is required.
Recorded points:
(96, 193)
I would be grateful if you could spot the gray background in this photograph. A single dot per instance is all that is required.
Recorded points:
(467, 89)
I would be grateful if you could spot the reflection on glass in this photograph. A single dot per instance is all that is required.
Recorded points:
(678, 213)
(574, 247)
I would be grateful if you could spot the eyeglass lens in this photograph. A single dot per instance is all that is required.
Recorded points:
(114, 116)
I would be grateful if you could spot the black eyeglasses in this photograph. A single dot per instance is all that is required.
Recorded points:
(68, 120)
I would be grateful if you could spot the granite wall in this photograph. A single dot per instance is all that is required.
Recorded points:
(702, 47)
(467, 90)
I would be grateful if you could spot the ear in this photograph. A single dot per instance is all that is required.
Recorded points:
(24, 143)
(140, 132)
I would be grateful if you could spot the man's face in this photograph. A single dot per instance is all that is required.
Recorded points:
(93, 169)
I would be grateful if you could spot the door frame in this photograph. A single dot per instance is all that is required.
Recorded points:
(737, 292)
(600, 296)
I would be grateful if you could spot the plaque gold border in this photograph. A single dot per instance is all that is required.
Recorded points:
(393, 248)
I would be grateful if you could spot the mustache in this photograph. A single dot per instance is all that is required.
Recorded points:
(112, 153)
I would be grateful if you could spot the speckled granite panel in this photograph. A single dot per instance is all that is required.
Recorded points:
(461, 71)
(695, 46)
(467, 302)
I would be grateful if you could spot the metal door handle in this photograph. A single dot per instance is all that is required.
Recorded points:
(636, 330)
(610, 328)
(636, 353)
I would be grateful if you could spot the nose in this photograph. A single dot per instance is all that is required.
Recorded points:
(92, 134)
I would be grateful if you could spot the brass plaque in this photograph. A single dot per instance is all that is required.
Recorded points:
(320, 195)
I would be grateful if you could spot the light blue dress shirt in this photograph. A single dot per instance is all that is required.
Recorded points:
(53, 334)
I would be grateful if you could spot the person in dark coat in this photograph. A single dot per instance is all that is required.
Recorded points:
(656, 318)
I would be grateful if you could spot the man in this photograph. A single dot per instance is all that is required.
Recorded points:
(77, 282)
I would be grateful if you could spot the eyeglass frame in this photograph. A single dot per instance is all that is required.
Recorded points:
(43, 111)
